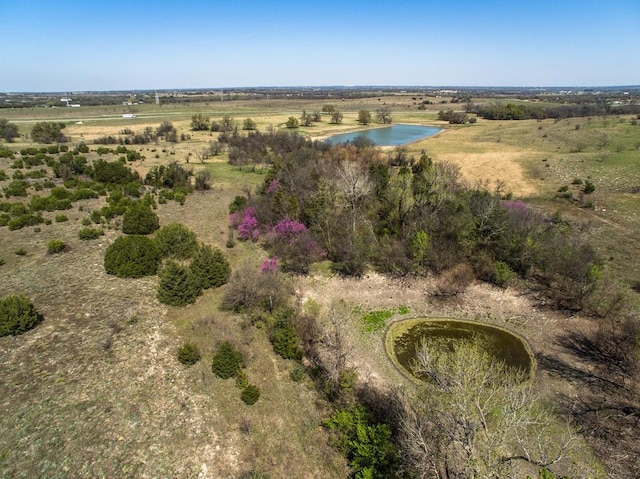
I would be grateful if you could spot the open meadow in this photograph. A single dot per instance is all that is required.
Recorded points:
(96, 389)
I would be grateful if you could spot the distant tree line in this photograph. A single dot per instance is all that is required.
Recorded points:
(513, 111)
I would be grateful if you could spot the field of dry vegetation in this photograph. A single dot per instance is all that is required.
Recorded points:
(96, 389)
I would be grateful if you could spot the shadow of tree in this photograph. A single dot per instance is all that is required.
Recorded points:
(603, 366)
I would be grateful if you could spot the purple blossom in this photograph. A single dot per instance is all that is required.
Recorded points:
(270, 265)
(288, 229)
(248, 227)
(273, 186)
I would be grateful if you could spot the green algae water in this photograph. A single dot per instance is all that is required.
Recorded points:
(405, 337)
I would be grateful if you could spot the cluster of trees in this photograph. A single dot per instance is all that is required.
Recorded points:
(165, 131)
(412, 218)
(48, 132)
(455, 117)
(136, 255)
(84, 180)
(8, 131)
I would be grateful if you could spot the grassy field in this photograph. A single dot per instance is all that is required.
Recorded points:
(96, 390)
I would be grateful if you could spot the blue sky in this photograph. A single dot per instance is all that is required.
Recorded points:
(120, 45)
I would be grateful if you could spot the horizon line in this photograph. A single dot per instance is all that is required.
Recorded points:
(307, 87)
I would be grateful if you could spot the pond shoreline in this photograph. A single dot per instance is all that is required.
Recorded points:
(385, 139)
(397, 329)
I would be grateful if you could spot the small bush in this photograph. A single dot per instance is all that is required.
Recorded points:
(17, 315)
(177, 241)
(250, 395)
(177, 286)
(55, 246)
(242, 380)
(227, 361)
(189, 354)
(21, 252)
(203, 180)
(375, 320)
(132, 257)
(90, 233)
(297, 373)
(139, 219)
(502, 273)
(61, 218)
(589, 187)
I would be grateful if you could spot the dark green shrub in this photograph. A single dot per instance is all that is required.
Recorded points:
(84, 194)
(238, 204)
(82, 148)
(589, 187)
(25, 220)
(17, 315)
(132, 257)
(210, 266)
(49, 203)
(16, 188)
(139, 219)
(250, 395)
(227, 361)
(3, 175)
(285, 341)
(90, 233)
(61, 218)
(177, 286)
(189, 354)
(55, 246)
(177, 241)
(21, 251)
(113, 172)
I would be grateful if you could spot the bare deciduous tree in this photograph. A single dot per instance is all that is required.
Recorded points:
(476, 417)
(383, 114)
(355, 184)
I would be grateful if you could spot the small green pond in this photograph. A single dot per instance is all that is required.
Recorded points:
(403, 338)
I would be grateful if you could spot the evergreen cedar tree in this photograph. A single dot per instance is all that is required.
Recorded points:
(17, 315)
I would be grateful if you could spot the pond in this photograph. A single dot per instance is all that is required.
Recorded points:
(388, 136)
(405, 337)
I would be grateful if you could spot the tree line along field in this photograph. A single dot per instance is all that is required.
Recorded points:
(70, 387)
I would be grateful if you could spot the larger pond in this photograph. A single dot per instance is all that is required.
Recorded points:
(388, 136)
(405, 337)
